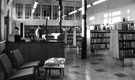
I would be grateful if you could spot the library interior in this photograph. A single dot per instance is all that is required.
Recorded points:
(67, 40)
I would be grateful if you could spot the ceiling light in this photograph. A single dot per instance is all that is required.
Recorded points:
(33, 10)
(98, 2)
(89, 5)
(35, 4)
(72, 12)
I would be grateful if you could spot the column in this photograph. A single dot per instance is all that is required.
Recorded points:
(60, 15)
(74, 37)
(84, 40)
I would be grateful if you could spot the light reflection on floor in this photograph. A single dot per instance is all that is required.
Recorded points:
(93, 68)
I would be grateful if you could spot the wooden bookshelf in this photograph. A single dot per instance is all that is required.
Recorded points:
(78, 36)
(70, 35)
(122, 44)
(30, 30)
(100, 39)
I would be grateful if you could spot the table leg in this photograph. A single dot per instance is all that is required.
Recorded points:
(45, 74)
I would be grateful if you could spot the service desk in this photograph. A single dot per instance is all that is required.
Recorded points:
(32, 51)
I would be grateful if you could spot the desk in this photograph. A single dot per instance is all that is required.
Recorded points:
(32, 51)
(54, 64)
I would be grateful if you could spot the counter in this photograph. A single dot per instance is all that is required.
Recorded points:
(32, 51)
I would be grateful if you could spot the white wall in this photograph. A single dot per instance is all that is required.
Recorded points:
(99, 10)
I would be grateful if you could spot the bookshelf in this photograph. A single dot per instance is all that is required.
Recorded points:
(70, 33)
(122, 44)
(100, 39)
(78, 36)
(30, 30)
(70, 37)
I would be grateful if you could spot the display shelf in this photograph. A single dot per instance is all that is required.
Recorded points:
(124, 44)
(100, 39)
(70, 34)
(30, 30)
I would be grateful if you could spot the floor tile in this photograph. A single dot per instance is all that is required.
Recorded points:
(94, 63)
(74, 72)
(100, 70)
(76, 66)
(121, 75)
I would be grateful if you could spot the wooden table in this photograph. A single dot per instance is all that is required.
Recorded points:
(58, 65)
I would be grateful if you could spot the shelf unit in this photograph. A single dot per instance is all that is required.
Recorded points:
(30, 30)
(78, 36)
(100, 39)
(70, 37)
(122, 44)
(70, 33)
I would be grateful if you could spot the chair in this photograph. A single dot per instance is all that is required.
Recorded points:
(11, 74)
(19, 63)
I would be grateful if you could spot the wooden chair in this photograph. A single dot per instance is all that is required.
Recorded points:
(19, 63)
(11, 74)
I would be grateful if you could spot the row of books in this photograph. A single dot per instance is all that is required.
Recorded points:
(70, 37)
(127, 53)
(126, 45)
(99, 46)
(100, 34)
(101, 40)
(127, 36)
(70, 41)
(78, 38)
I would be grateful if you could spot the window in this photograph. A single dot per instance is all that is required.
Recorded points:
(67, 10)
(46, 11)
(116, 13)
(37, 13)
(105, 15)
(92, 18)
(112, 17)
(19, 10)
(116, 19)
(28, 9)
(78, 14)
(55, 12)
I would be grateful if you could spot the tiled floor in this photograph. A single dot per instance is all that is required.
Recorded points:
(100, 67)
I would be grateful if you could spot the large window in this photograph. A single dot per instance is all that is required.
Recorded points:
(55, 12)
(112, 17)
(19, 10)
(67, 10)
(78, 14)
(46, 11)
(37, 13)
(28, 9)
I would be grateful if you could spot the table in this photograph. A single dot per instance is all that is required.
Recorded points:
(54, 64)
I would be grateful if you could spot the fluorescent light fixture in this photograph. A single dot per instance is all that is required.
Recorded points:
(64, 16)
(35, 4)
(33, 10)
(89, 5)
(79, 9)
(98, 2)
(72, 12)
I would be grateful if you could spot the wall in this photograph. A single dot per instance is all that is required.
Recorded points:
(99, 10)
